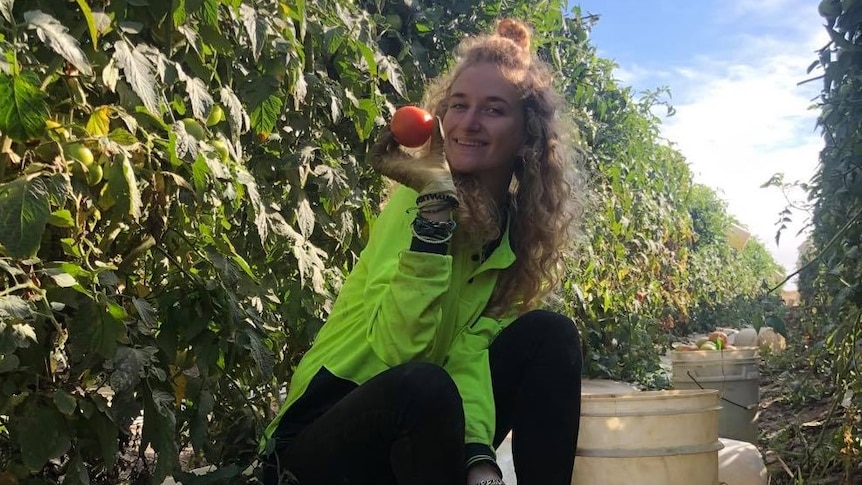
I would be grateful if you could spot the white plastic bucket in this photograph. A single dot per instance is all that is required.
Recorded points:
(740, 463)
(648, 438)
(737, 236)
(735, 374)
(606, 386)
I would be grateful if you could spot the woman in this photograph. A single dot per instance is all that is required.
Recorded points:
(433, 352)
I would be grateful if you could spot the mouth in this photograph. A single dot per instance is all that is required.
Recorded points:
(469, 143)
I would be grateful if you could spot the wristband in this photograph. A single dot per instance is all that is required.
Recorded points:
(435, 207)
(437, 196)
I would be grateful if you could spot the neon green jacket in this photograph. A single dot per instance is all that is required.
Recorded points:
(399, 306)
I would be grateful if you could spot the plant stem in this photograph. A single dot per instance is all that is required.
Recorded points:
(820, 254)
(22, 286)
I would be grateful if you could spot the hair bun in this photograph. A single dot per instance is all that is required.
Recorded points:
(515, 31)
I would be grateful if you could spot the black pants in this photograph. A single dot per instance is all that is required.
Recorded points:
(406, 425)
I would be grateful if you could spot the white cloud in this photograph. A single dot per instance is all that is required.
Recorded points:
(743, 117)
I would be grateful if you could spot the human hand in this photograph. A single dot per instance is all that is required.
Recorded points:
(427, 173)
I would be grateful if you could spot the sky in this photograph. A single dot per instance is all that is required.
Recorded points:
(735, 71)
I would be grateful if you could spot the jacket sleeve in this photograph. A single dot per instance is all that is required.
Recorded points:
(403, 294)
(468, 364)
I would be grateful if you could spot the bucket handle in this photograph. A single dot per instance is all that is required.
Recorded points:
(747, 408)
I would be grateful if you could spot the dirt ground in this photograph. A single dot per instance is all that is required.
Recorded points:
(799, 416)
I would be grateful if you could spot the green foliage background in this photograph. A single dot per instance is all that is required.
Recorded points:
(829, 281)
(182, 272)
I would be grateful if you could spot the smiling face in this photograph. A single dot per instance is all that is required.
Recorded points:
(484, 126)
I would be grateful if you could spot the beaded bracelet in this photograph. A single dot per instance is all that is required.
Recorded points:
(494, 481)
(433, 241)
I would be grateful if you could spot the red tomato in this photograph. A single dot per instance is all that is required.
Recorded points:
(411, 126)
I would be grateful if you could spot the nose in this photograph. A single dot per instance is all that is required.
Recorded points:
(471, 119)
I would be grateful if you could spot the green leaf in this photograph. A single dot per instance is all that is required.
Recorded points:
(255, 27)
(140, 73)
(128, 368)
(100, 121)
(364, 117)
(123, 185)
(106, 431)
(9, 362)
(12, 306)
(184, 145)
(777, 324)
(54, 34)
(77, 472)
(12, 270)
(390, 71)
(178, 12)
(200, 174)
(147, 312)
(299, 87)
(65, 402)
(110, 75)
(6, 10)
(115, 310)
(237, 116)
(265, 116)
(42, 435)
(61, 218)
(305, 217)
(243, 264)
(63, 280)
(94, 329)
(23, 111)
(91, 23)
(24, 333)
(122, 136)
(24, 211)
(202, 102)
(309, 259)
(198, 426)
(302, 17)
(262, 355)
(261, 220)
(160, 424)
(209, 13)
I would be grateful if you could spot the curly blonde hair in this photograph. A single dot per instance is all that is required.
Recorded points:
(544, 203)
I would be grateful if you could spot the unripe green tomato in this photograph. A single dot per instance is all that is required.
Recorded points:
(394, 21)
(95, 174)
(216, 115)
(222, 149)
(194, 128)
(79, 152)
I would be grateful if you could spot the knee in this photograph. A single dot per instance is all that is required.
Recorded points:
(429, 388)
(554, 326)
(559, 335)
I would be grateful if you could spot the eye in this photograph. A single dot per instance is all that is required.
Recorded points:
(494, 111)
(457, 105)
